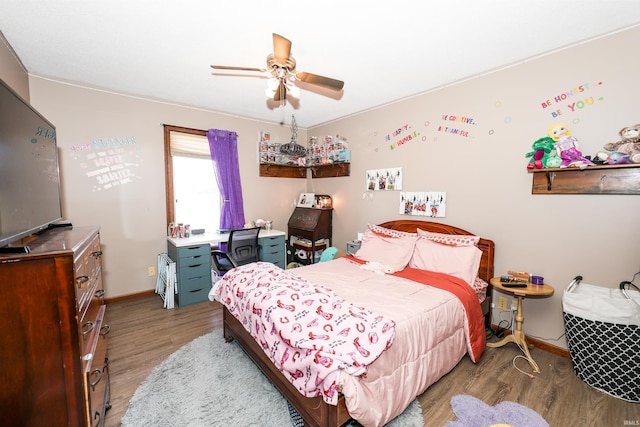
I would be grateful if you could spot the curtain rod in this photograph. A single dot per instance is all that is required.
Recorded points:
(192, 129)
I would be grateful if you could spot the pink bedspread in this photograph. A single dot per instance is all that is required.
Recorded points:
(309, 333)
(431, 337)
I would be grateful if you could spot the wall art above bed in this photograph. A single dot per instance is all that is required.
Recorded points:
(431, 204)
(384, 179)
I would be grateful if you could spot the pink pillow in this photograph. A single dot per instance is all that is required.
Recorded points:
(392, 252)
(450, 239)
(458, 261)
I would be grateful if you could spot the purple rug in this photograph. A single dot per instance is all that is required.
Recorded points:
(472, 412)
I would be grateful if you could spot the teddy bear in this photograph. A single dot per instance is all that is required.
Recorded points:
(541, 149)
(628, 145)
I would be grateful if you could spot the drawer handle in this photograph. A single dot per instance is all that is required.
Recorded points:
(97, 372)
(97, 416)
(105, 330)
(195, 290)
(97, 254)
(87, 328)
(106, 364)
(100, 293)
(195, 266)
(81, 280)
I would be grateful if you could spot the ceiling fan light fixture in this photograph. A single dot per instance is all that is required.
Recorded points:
(272, 84)
(294, 90)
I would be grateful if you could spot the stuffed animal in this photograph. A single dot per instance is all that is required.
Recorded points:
(618, 158)
(554, 161)
(540, 154)
(568, 148)
(629, 145)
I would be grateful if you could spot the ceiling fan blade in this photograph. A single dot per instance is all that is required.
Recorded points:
(226, 67)
(281, 92)
(318, 80)
(281, 49)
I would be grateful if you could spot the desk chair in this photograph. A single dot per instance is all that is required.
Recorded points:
(242, 248)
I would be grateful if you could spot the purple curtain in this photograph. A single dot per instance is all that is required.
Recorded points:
(224, 154)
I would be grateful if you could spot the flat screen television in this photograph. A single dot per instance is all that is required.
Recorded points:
(29, 174)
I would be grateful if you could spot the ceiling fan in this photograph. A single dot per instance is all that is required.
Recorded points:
(282, 67)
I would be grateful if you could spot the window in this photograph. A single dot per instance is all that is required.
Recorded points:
(192, 191)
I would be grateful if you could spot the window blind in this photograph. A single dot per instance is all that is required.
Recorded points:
(189, 145)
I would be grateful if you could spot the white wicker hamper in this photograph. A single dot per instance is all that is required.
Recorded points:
(603, 335)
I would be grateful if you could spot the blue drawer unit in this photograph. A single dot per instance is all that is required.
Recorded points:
(193, 271)
(272, 249)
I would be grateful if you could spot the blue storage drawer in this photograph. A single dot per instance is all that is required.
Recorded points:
(193, 271)
(272, 249)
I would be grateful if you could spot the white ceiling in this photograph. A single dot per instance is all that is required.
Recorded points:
(383, 50)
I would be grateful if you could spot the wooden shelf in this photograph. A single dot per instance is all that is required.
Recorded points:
(282, 171)
(288, 171)
(600, 179)
(332, 170)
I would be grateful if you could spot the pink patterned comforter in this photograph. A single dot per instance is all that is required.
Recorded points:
(310, 333)
(432, 334)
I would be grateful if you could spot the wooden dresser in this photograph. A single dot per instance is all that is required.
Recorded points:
(312, 224)
(54, 368)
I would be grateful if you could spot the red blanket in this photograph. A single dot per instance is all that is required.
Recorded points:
(464, 292)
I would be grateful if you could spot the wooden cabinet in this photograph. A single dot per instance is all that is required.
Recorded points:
(312, 224)
(54, 367)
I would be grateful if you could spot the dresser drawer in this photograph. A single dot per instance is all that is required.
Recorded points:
(272, 249)
(193, 296)
(195, 282)
(192, 251)
(272, 242)
(87, 264)
(97, 377)
(274, 256)
(195, 270)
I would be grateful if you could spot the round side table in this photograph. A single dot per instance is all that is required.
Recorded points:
(518, 337)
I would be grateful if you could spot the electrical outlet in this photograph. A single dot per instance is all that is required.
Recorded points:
(514, 305)
(151, 271)
(502, 303)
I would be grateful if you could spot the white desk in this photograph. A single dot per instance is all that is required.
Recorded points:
(192, 256)
(214, 238)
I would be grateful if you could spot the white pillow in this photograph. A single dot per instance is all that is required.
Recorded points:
(391, 252)
(458, 261)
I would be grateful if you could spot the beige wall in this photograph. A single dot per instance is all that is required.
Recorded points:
(484, 175)
(12, 72)
(132, 214)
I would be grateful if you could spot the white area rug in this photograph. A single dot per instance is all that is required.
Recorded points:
(211, 383)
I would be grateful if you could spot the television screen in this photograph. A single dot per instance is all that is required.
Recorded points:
(29, 174)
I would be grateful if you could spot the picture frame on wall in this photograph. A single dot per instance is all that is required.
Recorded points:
(306, 200)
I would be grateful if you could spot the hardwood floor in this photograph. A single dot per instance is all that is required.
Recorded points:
(143, 334)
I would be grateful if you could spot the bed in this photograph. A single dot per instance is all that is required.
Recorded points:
(381, 386)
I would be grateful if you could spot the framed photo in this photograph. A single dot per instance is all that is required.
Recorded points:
(306, 200)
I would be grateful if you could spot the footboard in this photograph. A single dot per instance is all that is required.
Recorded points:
(314, 410)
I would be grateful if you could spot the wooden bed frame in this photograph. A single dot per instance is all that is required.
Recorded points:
(314, 411)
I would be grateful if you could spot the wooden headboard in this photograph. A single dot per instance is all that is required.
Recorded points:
(487, 247)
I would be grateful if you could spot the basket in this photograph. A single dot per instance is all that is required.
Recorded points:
(603, 335)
